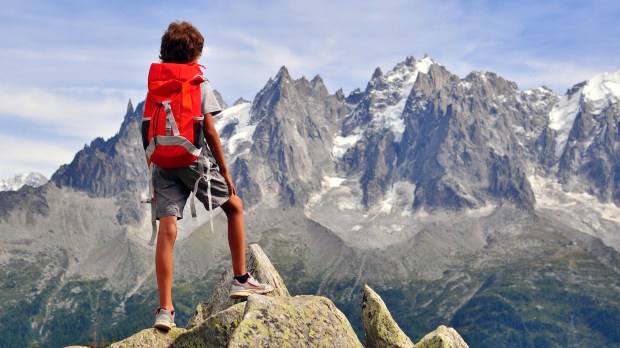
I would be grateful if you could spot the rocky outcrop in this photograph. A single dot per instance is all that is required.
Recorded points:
(109, 168)
(259, 266)
(280, 320)
(380, 330)
(442, 337)
(300, 321)
(214, 331)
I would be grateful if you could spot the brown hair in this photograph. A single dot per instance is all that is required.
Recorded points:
(181, 43)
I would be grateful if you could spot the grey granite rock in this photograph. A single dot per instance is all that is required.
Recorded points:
(380, 329)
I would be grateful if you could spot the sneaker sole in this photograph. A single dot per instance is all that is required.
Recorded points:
(245, 293)
(164, 325)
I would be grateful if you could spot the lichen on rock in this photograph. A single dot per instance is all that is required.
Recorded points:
(153, 338)
(380, 329)
(261, 268)
(442, 337)
(214, 331)
(300, 321)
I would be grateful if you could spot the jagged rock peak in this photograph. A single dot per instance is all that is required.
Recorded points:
(355, 96)
(130, 109)
(220, 99)
(317, 81)
(496, 83)
(377, 74)
(283, 73)
(380, 329)
(258, 264)
(340, 94)
(241, 101)
(442, 337)
(410, 61)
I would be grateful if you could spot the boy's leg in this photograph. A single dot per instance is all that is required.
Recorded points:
(243, 284)
(164, 261)
(236, 233)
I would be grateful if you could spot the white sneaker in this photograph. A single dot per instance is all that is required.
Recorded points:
(251, 286)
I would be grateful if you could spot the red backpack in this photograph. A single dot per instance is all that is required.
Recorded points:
(172, 123)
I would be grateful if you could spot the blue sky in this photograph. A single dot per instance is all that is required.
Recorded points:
(69, 67)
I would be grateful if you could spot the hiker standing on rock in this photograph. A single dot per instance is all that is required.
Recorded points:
(178, 118)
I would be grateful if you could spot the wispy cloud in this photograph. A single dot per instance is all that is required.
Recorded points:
(28, 155)
(73, 64)
(71, 112)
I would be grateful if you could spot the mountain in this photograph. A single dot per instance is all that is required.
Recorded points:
(461, 201)
(587, 123)
(26, 179)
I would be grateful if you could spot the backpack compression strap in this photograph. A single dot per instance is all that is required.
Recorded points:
(153, 210)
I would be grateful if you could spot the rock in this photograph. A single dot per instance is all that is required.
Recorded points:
(214, 331)
(380, 330)
(300, 321)
(442, 337)
(258, 264)
(279, 320)
(152, 338)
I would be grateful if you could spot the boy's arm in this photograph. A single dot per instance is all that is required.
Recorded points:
(213, 139)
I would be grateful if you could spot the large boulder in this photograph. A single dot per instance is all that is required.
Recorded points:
(300, 321)
(152, 338)
(214, 331)
(442, 337)
(261, 268)
(380, 329)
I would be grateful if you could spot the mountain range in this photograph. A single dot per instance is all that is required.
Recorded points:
(461, 201)
(31, 179)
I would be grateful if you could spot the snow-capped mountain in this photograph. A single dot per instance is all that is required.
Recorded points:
(27, 179)
(587, 121)
(473, 194)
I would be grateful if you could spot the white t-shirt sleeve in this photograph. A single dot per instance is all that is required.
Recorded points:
(209, 102)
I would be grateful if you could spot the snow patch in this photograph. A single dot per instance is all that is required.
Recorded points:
(601, 91)
(333, 182)
(562, 117)
(424, 65)
(392, 119)
(244, 130)
(549, 194)
(399, 199)
(343, 144)
(577, 210)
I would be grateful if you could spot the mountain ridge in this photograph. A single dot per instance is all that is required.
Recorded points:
(440, 182)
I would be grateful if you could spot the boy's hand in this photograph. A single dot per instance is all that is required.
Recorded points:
(231, 186)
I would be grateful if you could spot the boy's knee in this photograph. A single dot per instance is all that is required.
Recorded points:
(234, 205)
(167, 227)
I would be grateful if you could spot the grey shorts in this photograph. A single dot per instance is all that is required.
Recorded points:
(172, 187)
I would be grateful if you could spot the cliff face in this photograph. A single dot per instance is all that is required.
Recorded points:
(279, 320)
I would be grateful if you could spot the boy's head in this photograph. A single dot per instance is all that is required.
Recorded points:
(181, 43)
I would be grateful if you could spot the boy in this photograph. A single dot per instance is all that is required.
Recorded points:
(181, 46)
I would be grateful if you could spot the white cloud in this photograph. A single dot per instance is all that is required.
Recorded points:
(28, 155)
(72, 67)
(84, 113)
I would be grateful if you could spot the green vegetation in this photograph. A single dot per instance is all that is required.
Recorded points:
(523, 290)
(568, 298)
